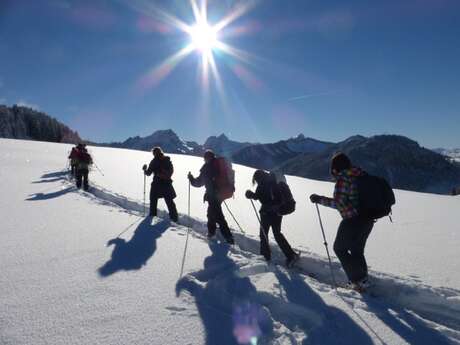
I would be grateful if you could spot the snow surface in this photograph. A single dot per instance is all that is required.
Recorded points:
(87, 268)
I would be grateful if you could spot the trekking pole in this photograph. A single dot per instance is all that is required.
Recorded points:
(325, 244)
(258, 218)
(228, 208)
(188, 231)
(98, 169)
(144, 194)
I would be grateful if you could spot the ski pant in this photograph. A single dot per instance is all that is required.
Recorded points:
(273, 220)
(349, 246)
(169, 203)
(82, 175)
(216, 216)
(73, 170)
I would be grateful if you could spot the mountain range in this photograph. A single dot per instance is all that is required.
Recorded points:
(402, 161)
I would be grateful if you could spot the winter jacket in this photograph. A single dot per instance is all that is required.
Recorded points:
(162, 170)
(207, 178)
(345, 198)
(84, 160)
(269, 195)
(73, 156)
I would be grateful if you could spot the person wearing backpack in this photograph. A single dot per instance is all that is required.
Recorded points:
(354, 228)
(210, 175)
(275, 198)
(84, 160)
(73, 161)
(162, 169)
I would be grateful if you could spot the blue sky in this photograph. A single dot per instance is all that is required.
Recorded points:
(327, 69)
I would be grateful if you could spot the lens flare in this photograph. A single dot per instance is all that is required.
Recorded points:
(204, 37)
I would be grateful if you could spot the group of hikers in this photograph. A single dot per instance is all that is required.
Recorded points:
(276, 201)
(80, 161)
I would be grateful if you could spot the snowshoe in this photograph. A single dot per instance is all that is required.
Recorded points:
(292, 260)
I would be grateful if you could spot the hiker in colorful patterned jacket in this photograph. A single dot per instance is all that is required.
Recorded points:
(354, 229)
(84, 161)
(208, 176)
(161, 186)
(269, 195)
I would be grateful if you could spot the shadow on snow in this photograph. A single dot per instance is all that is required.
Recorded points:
(133, 254)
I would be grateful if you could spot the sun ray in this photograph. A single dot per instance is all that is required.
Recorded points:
(238, 12)
(235, 52)
(204, 39)
(158, 73)
(150, 10)
(219, 83)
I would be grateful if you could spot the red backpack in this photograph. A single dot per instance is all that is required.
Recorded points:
(225, 178)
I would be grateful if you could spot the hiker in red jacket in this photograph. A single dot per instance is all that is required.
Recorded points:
(73, 161)
(84, 161)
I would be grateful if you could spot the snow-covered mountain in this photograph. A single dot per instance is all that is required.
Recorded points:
(223, 146)
(268, 156)
(167, 139)
(87, 268)
(403, 162)
(301, 144)
(453, 154)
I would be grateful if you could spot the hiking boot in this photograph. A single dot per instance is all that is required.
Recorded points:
(364, 283)
(360, 285)
(290, 262)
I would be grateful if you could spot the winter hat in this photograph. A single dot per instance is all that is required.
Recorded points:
(339, 162)
(259, 176)
(157, 151)
(209, 154)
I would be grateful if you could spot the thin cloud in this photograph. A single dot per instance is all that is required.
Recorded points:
(311, 95)
(23, 103)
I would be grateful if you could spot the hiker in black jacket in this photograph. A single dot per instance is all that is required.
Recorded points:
(269, 195)
(207, 178)
(161, 187)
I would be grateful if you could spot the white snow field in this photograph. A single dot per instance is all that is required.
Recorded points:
(87, 267)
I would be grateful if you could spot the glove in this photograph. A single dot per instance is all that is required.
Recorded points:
(144, 167)
(315, 198)
(249, 194)
(190, 176)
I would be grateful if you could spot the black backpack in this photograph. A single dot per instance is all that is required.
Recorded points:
(287, 200)
(287, 205)
(375, 196)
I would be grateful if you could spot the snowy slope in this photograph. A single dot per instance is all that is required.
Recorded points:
(86, 268)
(422, 223)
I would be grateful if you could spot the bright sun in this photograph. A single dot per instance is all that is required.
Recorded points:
(204, 37)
